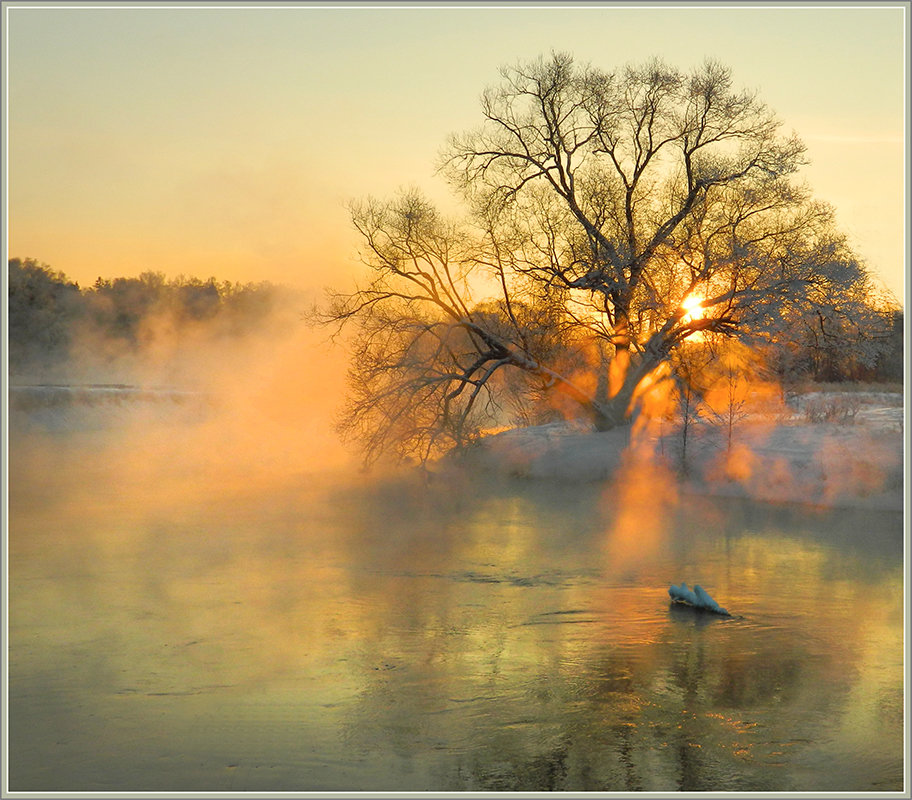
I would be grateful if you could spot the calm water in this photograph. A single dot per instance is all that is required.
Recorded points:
(195, 632)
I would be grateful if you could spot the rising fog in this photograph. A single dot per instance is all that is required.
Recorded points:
(178, 403)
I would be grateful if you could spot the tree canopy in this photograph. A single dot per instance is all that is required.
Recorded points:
(610, 216)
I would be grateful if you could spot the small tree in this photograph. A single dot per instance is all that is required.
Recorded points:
(737, 385)
(692, 379)
(735, 408)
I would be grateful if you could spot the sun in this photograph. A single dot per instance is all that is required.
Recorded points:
(693, 305)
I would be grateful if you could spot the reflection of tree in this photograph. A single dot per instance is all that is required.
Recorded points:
(688, 671)
(769, 676)
(694, 703)
(707, 705)
(437, 682)
(542, 772)
(617, 721)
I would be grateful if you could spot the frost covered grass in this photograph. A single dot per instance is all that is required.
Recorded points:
(843, 403)
(890, 391)
(821, 448)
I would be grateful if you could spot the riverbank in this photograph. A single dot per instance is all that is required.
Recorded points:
(828, 449)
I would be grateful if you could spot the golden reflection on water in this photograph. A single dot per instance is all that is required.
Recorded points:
(312, 637)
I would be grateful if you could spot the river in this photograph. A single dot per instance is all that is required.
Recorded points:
(191, 631)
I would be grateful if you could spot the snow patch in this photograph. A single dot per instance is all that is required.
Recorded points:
(784, 460)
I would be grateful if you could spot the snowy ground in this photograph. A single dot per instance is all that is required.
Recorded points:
(832, 449)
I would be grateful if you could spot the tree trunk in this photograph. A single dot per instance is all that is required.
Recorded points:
(615, 411)
(626, 375)
(614, 395)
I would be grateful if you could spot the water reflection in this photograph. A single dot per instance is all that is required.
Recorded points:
(468, 638)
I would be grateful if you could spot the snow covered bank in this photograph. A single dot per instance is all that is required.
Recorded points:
(856, 461)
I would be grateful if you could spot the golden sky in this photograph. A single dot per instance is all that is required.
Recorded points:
(227, 141)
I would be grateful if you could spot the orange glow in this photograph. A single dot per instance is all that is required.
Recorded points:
(617, 371)
(693, 305)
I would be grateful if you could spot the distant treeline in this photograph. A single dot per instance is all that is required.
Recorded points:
(49, 314)
(863, 343)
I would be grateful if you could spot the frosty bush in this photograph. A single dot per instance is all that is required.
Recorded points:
(839, 409)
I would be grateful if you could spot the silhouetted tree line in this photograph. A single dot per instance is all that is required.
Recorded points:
(49, 313)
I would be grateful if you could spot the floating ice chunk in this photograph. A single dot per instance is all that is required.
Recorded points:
(697, 597)
(682, 594)
(705, 601)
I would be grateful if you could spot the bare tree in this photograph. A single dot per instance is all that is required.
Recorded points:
(738, 385)
(600, 204)
(735, 397)
(635, 189)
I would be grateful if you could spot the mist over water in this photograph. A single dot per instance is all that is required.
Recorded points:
(196, 401)
(197, 603)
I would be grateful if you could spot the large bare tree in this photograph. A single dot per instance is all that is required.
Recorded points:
(602, 207)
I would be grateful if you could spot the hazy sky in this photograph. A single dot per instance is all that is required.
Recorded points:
(227, 141)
